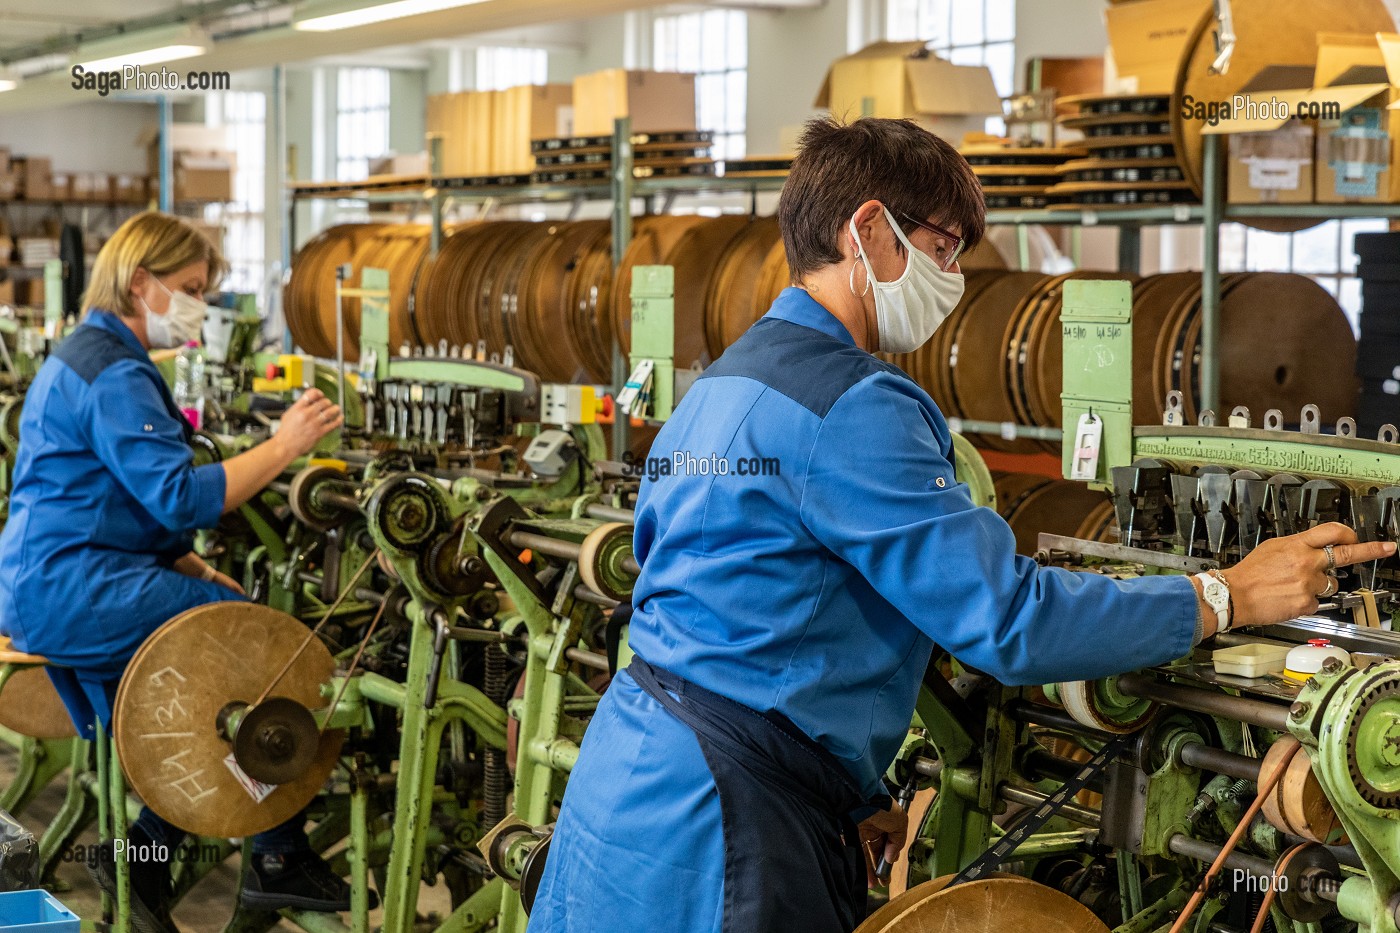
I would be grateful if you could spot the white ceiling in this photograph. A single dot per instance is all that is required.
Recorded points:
(23, 21)
(280, 44)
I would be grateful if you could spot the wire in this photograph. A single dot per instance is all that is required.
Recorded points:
(349, 588)
(355, 662)
(1265, 788)
(1269, 895)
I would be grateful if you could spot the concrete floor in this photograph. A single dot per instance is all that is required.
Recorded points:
(207, 908)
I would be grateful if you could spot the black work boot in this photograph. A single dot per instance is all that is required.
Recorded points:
(301, 880)
(149, 882)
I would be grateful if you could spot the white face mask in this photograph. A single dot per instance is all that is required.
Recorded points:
(182, 321)
(909, 309)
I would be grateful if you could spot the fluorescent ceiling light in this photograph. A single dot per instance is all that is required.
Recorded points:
(139, 49)
(323, 17)
(9, 79)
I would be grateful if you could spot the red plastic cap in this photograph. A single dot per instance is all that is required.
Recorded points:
(273, 370)
(1319, 642)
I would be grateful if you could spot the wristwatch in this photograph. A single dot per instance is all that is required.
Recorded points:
(1215, 590)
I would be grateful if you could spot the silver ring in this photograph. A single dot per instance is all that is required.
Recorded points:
(1332, 587)
(1331, 558)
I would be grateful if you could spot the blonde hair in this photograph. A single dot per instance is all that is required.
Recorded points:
(160, 244)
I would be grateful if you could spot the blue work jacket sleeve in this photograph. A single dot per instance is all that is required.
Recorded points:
(137, 438)
(880, 493)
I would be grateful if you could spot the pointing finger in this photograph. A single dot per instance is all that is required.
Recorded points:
(1349, 554)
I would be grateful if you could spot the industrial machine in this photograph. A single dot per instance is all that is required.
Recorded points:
(431, 630)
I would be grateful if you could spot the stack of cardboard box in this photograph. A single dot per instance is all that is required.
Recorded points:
(201, 161)
(488, 133)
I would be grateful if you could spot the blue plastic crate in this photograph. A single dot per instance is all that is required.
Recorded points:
(35, 912)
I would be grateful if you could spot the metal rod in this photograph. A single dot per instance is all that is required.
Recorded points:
(341, 272)
(1212, 198)
(463, 633)
(598, 599)
(609, 513)
(1041, 763)
(629, 564)
(1033, 798)
(622, 190)
(337, 500)
(554, 547)
(1025, 711)
(1197, 755)
(1203, 851)
(587, 658)
(435, 172)
(1257, 712)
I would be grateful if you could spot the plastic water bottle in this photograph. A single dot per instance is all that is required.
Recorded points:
(189, 383)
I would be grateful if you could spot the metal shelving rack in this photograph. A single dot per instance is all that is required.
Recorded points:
(623, 189)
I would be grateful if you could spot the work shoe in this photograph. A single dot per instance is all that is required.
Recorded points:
(150, 889)
(300, 880)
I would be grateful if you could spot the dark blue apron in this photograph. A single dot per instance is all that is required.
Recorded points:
(792, 848)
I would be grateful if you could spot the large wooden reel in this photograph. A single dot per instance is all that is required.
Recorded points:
(168, 705)
(1002, 902)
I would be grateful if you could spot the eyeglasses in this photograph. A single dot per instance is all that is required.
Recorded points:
(948, 246)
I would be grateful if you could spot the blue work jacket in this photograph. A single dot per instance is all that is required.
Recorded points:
(812, 577)
(105, 498)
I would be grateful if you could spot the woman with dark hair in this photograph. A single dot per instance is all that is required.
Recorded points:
(731, 779)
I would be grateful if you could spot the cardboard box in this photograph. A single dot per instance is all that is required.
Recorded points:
(1146, 39)
(464, 121)
(1358, 155)
(203, 176)
(9, 186)
(524, 113)
(183, 137)
(412, 163)
(901, 80)
(127, 189)
(32, 175)
(4, 160)
(7, 291)
(61, 185)
(655, 100)
(1269, 156)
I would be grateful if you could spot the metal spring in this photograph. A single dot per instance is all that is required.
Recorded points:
(495, 779)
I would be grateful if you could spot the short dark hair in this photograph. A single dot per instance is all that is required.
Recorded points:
(896, 162)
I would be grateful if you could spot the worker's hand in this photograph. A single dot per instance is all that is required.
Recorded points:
(311, 418)
(1282, 578)
(224, 579)
(883, 834)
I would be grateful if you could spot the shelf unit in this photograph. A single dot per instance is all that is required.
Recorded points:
(437, 191)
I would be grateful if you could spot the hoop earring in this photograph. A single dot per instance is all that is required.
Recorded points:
(851, 280)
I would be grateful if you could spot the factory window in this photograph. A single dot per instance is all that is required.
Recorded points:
(244, 113)
(1324, 252)
(970, 32)
(362, 120)
(714, 45)
(498, 68)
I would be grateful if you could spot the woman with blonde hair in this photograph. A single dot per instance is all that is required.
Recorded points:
(98, 549)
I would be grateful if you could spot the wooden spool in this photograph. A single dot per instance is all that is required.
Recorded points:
(1297, 803)
(1268, 32)
(309, 298)
(167, 707)
(1060, 507)
(996, 903)
(734, 296)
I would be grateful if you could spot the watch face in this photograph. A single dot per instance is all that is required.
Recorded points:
(1215, 592)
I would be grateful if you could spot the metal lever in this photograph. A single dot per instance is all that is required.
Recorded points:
(442, 630)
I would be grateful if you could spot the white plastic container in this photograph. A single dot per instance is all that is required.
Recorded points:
(1253, 660)
(1306, 660)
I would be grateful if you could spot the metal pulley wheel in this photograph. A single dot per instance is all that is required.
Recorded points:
(199, 665)
(1098, 705)
(302, 498)
(600, 559)
(999, 903)
(405, 511)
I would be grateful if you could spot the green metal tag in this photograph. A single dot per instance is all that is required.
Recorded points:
(654, 332)
(1098, 368)
(374, 320)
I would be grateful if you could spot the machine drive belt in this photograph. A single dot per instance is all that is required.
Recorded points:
(1030, 824)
